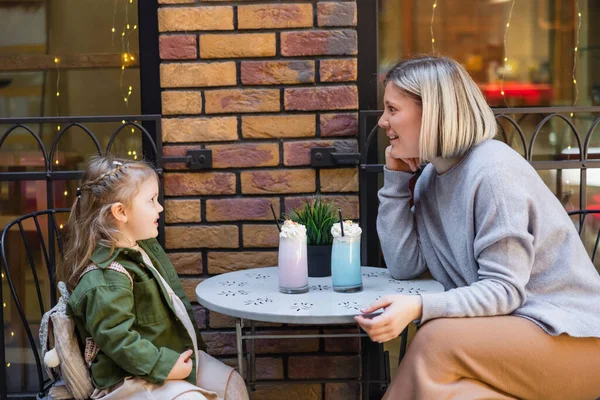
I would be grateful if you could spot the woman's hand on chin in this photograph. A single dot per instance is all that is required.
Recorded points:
(400, 164)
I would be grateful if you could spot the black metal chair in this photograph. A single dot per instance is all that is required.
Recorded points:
(38, 235)
(586, 225)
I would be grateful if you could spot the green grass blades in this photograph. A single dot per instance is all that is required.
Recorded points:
(318, 217)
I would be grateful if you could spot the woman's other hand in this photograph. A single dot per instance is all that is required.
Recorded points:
(399, 311)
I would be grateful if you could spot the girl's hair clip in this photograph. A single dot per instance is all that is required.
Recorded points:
(78, 192)
(119, 163)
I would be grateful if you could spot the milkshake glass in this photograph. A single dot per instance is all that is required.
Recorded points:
(293, 265)
(346, 274)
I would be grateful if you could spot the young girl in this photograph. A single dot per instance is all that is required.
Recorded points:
(128, 303)
(521, 314)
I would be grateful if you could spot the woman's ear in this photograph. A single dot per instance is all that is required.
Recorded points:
(118, 212)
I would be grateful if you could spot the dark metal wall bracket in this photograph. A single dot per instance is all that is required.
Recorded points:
(327, 157)
(194, 159)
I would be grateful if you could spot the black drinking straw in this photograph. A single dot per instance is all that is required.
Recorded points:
(341, 221)
(275, 216)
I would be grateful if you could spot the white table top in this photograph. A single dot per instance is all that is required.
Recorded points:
(254, 295)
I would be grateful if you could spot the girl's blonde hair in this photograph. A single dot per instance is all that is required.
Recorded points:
(455, 117)
(106, 181)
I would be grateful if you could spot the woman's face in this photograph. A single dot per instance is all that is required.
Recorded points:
(402, 123)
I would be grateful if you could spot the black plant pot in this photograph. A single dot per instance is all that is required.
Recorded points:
(319, 261)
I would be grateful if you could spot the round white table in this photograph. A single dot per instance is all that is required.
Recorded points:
(254, 295)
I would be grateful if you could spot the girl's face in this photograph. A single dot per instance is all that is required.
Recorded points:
(143, 213)
(402, 123)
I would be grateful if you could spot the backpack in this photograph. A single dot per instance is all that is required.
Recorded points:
(66, 365)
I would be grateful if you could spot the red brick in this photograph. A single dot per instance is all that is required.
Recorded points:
(190, 237)
(222, 262)
(182, 211)
(217, 320)
(339, 180)
(321, 98)
(220, 343)
(242, 155)
(238, 45)
(199, 129)
(319, 42)
(200, 315)
(339, 70)
(187, 263)
(266, 367)
(245, 155)
(195, 18)
(189, 287)
(178, 47)
(269, 16)
(279, 391)
(278, 126)
(345, 124)
(336, 13)
(342, 345)
(271, 346)
(260, 235)
(277, 72)
(241, 209)
(342, 391)
(348, 204)
(278, 181)
(178, 151)
(181, 102)
(298, 153)
(241, 100)
(199, 183)
(315, 367)
(197, 74)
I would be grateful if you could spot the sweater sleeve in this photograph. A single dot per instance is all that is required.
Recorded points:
(504, 250)
(397, 229)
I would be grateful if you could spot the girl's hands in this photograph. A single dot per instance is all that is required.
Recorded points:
(400, 164)
(400, 310)
(183, 367)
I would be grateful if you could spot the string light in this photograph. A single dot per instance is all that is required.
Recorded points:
(3, 275)
(431, 25)
(66, 193)
(575, 49)
(512, 6)
(56, 62)
(61, 226)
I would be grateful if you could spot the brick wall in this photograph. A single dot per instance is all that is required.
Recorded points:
(259, 84)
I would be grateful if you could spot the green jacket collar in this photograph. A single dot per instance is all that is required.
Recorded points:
(102, 256)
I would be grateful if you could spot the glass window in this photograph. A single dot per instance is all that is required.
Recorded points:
(57, 58)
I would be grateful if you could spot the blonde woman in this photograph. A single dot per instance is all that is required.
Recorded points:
(520, 317)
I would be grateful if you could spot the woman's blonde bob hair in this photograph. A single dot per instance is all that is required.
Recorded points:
(455, 115)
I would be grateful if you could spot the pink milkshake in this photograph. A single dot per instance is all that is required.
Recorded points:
(293, 265)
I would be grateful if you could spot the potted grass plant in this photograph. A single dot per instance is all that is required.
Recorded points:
(318, 217)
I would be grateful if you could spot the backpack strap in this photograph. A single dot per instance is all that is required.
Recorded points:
(115, 266)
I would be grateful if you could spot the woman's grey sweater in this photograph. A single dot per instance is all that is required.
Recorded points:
(496, 237)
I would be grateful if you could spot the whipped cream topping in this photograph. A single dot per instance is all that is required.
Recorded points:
(350, 229)
(292, 230)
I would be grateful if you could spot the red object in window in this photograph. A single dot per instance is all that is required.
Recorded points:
(531, 94)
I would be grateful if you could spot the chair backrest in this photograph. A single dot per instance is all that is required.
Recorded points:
(36, 235)
(588, 226)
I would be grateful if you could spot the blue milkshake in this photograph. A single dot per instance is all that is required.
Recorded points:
(346, 273)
